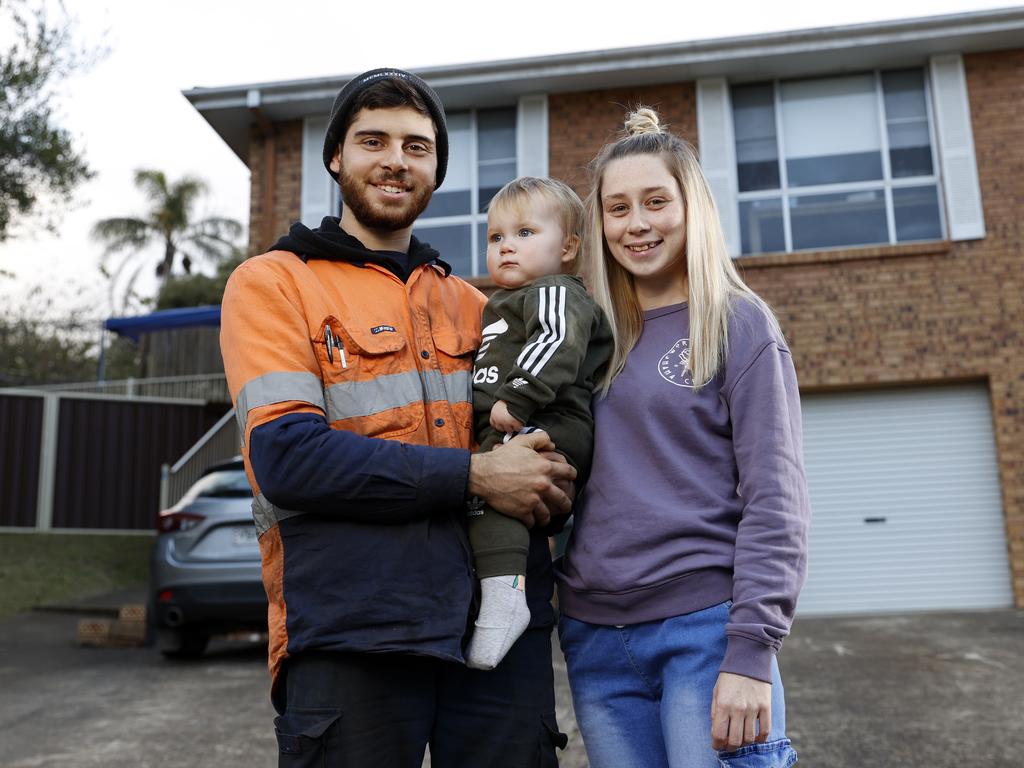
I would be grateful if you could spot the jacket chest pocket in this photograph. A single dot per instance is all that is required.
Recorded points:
(371, 386)
(456, 349)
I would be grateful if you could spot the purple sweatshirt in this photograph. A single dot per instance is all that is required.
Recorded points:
(695, 498)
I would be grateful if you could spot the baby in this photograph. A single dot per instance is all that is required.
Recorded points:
(545, 343)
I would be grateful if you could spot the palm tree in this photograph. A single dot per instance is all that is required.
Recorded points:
(170, 222)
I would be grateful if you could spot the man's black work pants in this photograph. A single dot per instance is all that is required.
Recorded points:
(382, 710)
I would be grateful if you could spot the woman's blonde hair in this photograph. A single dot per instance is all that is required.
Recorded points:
(713, 279)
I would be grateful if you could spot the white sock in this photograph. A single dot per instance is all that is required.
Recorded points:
(503, 617)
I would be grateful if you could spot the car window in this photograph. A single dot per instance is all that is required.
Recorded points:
(225, 483)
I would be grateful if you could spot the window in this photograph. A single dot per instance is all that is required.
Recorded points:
(834, 162)
(481, 159)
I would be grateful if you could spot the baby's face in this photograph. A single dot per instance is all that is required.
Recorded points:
(525, 242)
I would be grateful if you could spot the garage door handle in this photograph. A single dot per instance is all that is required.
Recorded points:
(875, 519)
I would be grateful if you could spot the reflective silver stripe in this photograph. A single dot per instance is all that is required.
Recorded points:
(354, 399)
(454, 387)
(266, 515)
(278, 387)
(459, 386)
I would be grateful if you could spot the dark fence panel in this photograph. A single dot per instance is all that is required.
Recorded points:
(109, 455)
(21, 430)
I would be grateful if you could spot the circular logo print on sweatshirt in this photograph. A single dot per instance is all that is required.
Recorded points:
(673, 365)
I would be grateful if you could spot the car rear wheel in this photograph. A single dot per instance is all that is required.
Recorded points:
(183, 643)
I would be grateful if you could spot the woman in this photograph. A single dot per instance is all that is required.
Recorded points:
(688, 554)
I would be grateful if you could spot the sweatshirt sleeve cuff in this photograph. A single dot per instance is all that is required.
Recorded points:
(444, 478)
(520, 407)
(748, 658)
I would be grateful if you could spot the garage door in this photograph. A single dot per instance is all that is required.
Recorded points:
(906, 504)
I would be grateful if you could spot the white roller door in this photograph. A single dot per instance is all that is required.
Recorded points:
(906, 504)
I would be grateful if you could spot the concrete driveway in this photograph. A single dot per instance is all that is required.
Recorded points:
(935, 690)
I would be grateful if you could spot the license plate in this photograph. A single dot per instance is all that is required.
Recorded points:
(243, 537)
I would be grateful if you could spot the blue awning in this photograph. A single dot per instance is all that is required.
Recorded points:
(163, 320)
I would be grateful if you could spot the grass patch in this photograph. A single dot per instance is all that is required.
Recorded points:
(44, 567)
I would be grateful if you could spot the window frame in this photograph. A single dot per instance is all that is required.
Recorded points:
(886, 184)
(478, 260)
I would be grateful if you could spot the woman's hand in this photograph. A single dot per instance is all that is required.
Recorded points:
(737, 705)
(502, 420)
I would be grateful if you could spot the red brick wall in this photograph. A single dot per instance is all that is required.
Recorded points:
(286, 183)
(883, 316)
(890, 315)
(581, 123)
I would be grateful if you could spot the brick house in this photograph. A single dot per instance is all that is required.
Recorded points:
(871, 186)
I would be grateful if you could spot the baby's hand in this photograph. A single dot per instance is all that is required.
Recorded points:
(502, 420)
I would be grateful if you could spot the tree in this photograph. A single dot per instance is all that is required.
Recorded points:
(198, 290)
(35, 350)
(55, 338)
(38, 159)
(169, 222)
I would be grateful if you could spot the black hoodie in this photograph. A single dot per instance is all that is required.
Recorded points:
(329, 241)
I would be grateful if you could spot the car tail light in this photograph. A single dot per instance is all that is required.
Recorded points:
(170, 521)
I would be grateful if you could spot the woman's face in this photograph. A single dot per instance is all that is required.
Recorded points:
(645, 227)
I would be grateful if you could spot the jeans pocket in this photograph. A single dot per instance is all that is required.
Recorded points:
(549, 738)
(301, 735)
(771, 754)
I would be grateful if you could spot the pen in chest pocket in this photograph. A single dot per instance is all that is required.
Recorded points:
(332, 342)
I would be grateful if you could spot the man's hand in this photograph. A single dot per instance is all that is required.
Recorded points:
(567, 486)
(737, 704)
(519, 482)
(502, 420)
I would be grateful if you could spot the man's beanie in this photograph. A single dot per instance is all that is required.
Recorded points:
(343, 104)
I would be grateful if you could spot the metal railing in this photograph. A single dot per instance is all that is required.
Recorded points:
(211, 387)
(221, 443)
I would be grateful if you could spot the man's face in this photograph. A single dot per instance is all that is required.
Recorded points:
(387, 164)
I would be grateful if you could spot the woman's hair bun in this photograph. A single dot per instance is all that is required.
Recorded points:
(643, 120)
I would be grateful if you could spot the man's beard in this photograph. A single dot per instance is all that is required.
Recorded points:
(355, 197)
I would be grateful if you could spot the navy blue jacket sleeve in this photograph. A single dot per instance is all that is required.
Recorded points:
(302, 464)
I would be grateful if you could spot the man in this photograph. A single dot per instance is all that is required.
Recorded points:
(348, 351)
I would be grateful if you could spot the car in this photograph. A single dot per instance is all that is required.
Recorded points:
(205, 573)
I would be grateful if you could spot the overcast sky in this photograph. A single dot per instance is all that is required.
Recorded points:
(127, 112)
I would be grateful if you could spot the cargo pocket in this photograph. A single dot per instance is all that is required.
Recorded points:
(549, 738)
(369, 384)
(771, 754)
(302, 736)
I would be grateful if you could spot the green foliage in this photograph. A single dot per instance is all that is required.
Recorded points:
(39, 162)
(122, 360)
(197, 290)
(34, 351)
(171, 223)
(38, 568)
(40, 347)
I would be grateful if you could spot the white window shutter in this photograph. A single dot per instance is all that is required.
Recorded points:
(532, 136)
(718, 154)
(316, 182)
(956, 148)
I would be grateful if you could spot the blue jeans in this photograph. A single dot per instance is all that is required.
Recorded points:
(642, 694)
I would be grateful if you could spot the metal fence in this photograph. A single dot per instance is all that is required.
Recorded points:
(86, 461)
(209, 387)
(221, 443)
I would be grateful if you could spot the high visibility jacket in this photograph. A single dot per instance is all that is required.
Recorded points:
(376, 358)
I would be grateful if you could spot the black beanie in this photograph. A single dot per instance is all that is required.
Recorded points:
(343, 103)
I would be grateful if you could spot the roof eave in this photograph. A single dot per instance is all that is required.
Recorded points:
(774, 55)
